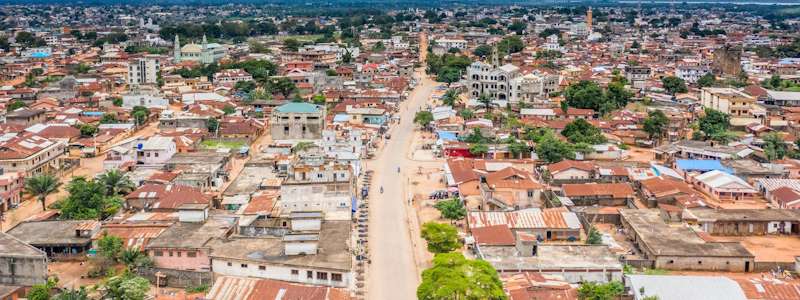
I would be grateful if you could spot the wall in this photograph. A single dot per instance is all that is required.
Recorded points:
(178, 278)
(704, 263)
(277, 272)
(577, 276)
(26, 271)
(200, 262)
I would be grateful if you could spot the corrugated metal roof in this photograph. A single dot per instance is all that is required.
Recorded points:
(525, 219)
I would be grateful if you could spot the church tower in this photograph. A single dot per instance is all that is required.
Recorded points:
(204, 55)
(177, 51)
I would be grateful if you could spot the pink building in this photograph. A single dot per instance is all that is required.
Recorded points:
(11, 185)
(183, 246)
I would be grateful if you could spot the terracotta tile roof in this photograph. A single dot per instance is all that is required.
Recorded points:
(525, 219)
(462, 170)
(786, 197)
(615, 190)
(262, 203)
(21, 147)
(769, 289)
(511, 177)
(570, 164)
(495, 235)
(132, 235)
(529, 285)
(169, 196)
(241, 288)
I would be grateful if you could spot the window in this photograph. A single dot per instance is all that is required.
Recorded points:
(295, 272)
(336, 277)
(244, 266)
(530, 193)
(322, 276)
(699, 262)
(191, 254)
(230, 264)
(179, 254)
(310, 274)
(155, 154)
(262, 268)
(170, 254)
(159, 253)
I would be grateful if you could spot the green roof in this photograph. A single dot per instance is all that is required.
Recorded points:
(298, 107)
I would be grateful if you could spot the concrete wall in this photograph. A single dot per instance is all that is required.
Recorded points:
(23, 271)
(278, 272)
(178, 278)
(180, 260)
(306, 225)
(578, 276)
(704, 263)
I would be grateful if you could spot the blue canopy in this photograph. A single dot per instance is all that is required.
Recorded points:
(446, 135)
(701, 165)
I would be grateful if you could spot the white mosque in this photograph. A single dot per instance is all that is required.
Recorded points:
(205, 53)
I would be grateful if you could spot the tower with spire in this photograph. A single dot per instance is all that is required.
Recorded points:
(205, 57)
(177, 50)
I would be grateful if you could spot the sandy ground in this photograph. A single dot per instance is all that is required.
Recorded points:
(771, 248)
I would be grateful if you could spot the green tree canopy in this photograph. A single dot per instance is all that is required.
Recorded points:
(774, 146)
(482, 51)
(714, 122)
(674, 85)
(584, 94)
(707, 80)
(87, 200)
(423, 118)
(127, 287)
(600, 291)
(110, 247)
(40, 186)
(655, 124)
(452, 276)
(88, 130)
(451, 209)
(441, 238)
(581, 131)
(552, 150)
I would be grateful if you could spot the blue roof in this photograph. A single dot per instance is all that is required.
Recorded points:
(702, 165)
(40, 54)
(93, 113)
(341, 118)
(446, 135)
(297, 107)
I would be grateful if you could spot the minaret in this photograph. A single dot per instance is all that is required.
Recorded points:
(495, 57)
(204, 57)
(177, 51)
(589, 19)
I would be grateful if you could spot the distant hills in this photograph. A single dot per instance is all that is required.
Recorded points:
(395, 3)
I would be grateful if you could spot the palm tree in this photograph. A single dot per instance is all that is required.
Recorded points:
(116, 182)
(40, 186)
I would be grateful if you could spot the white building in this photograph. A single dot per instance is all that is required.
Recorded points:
(448, 44)
(155, 151)
(691, 74)
(533, 88)
(149, 101)
(494, 82)
(143, 71)
(552, 44)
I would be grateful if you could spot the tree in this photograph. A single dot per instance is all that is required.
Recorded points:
(318, 99)
(452, 276)
(40, 186)
(441, 238)
(108, 119)
(212, 125)
(600, 291)
(292, 45)
(479, 149)
(584, 94)
(511, 44)
(482, 50)
(617, 95)
(466, 114)
(707, 80)
(127, 287)
(553, 150)
(517, 148)
(134, 259)
(88, 130)
(15, 105)
(774, 146)
(228, 109)
(303, 146)
(72, 294)
(450, 97)
(39, 292)
(378, 47)
(116, 182)
(451, 209)
(713, 122)
(110, 247)
(594, 237)
(88, 200)
(116, 101)
(581, 131)
(423, 118)
(674, 85)
(282, 85)
(485, 100)
(655, 124)
(449, 75)
(724, 137)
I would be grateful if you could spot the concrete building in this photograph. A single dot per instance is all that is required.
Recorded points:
(32, 155)
(448, 44)
(143, 71)
(691, 74)
(313, 252)
(297, 121)
(637, 75)
(679, 247)
(742, 107)
(745, 222)
(21, 263)
(492, 81)
(318, 183)
(60, 239)
(533, 89)
(155, 151)
(11, 187)
(204, 53)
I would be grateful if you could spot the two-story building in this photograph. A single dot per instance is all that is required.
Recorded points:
(297, 121)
